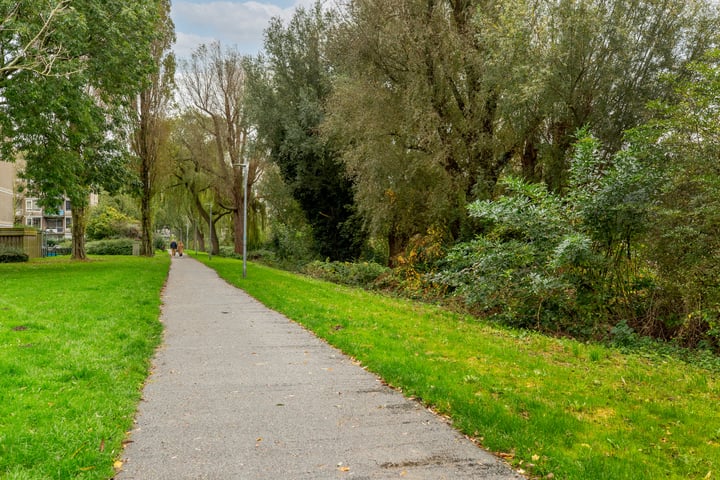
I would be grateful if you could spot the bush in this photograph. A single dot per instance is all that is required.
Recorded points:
(120, 246)
(108, 222)
(362, 274)
(12, 255)
(159, 243)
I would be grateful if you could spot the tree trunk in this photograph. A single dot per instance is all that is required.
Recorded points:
(238, 228)
(238, 218)
(79, 222)
(396, 246)
(215, 240)
(199, 238)
(147, 248)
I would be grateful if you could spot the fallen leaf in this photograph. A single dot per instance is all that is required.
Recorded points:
(117, 465)
(535, 458)
(344, 469)
(102, 445)
(85, 469)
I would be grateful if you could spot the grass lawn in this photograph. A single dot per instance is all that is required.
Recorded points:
(555, 408)
(75, 344)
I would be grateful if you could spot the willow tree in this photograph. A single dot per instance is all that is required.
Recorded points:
(213, 91)
(417, 94)
(462, 91)
(599, 63)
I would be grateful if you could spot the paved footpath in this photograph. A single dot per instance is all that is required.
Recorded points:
(238, 391)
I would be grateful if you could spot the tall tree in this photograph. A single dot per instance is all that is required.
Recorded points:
(289, 94)
(416, 81)
(213, 88)
(69, 126)
(28, 40)
(149, 110)
(683, 139)
(463, 91)
(600, 63)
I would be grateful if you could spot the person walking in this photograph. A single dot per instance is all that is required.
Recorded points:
(180, 247)
(173, 247)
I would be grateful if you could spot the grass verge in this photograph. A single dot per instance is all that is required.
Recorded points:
(555, 408)
(75, 344)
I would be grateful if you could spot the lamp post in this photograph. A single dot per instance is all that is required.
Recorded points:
(211, 235)
(245, 177)
(245, 168)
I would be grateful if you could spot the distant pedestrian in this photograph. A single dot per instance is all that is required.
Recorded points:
(181, 247)
(173, 248)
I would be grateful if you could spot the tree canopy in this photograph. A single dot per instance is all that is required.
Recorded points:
(65, 100)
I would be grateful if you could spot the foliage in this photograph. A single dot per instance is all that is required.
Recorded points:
(12, 255)
(433, 102)
(149, 124)
(359, 274)
(120, 246)
(561, 264)
(215, 95)
(68, 125)
(108, 222)
(71, 378)
(159, 243)
(683, 140)
(291, 235)
(289, 91)
(548, 405)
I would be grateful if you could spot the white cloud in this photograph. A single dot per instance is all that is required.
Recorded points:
(233, 23)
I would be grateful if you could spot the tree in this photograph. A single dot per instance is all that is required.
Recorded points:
(289, 91)
(418, 94)
(600, 62)
(69, 126)
(150, 126)
(28, 40)
(469, 91)
(66, 141)
(213, 87)
(683, 140)
(192, 189)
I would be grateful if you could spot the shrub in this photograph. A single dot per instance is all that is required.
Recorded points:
(12, 255)
(159, 243)
(362, 274)
(120, 246)
(566, 264)
(108, 222)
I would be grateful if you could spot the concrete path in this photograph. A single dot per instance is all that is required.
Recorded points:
(240, 392)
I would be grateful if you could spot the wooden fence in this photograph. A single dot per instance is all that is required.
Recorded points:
(27, 239)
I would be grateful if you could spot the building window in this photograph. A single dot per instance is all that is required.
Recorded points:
(68, 223)
(31, 205)
(34, 222)
(68, 207)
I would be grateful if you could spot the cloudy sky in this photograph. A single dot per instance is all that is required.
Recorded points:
(233, 22)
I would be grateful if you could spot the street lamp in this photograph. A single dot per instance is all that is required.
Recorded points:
(245, 168)
(211, 229)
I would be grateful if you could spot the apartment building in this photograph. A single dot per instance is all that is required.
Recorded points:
(56, 223)
(7, 194)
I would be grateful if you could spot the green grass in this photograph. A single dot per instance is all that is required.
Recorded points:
(75, 344)
(550, 406)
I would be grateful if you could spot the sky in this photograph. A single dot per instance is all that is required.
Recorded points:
(237, 23)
